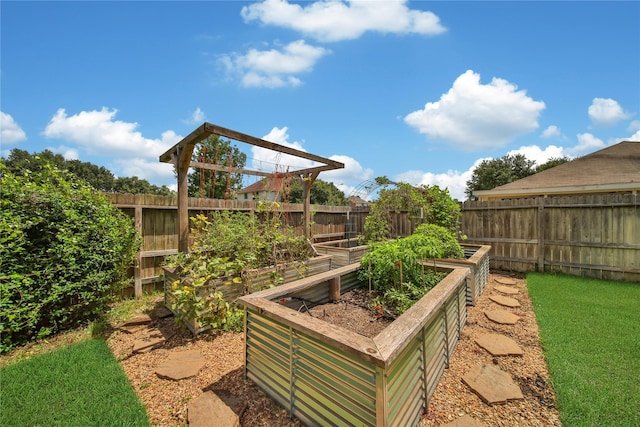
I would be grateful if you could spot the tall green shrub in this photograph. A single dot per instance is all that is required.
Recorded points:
(64, 252)
(423, 204)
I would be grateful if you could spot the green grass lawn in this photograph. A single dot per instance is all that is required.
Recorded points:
(78, 385)
(590, 333)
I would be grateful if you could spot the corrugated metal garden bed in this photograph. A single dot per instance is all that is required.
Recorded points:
(328, 375)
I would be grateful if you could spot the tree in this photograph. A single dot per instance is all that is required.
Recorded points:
(322, 193)
(496, 172)
(135, 185)
(64, 251)
(98, 177)
(20, 161)
(216, 184)
(551, 163)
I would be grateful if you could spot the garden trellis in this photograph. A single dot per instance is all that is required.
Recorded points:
(180, 156)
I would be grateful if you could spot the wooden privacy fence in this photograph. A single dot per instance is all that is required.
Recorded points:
(592, 235)
(156, 218)
(595, 235)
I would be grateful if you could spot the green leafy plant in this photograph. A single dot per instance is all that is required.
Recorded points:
(396, 268)
(230, 248)
(64, 253)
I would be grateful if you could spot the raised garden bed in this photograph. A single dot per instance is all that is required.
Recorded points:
(476, 257)
(344, 252)
(325, 374)
(258, 280)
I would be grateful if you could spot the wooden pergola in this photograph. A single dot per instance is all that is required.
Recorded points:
(180, 156)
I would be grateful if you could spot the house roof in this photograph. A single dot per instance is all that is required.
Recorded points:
(265, 184)
(357, 200)
(613, 169)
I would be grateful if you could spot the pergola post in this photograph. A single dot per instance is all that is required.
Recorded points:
(182, 167)
(307, 182)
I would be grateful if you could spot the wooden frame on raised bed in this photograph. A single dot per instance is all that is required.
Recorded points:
(260, 278)
(328, 375)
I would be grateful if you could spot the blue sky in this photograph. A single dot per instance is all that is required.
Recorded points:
(417, 91)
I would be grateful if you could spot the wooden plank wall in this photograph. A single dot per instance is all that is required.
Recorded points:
(591, 235)
(156, 217)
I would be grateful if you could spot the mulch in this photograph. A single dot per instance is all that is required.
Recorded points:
(167, 401)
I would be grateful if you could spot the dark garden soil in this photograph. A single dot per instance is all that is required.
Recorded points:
(353, 312)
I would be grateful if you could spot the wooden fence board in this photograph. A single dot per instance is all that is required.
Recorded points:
(586, 235)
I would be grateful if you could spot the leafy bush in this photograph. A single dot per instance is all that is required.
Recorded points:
(64, 252)
(423, 204)
(447, 241)
(227, 248)
(396, 268)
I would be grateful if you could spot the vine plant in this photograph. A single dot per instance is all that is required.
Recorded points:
(229, 248)
(424, 204)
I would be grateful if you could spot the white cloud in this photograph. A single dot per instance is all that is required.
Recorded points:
(453, 180)
(67, 152)
(197, 117)
(606, 112)
(553, 132)
(634, 137)
(99, 133)
(634, 126)
(335, 20)
(273, 68)
(349, 177)
(154, 172)
(267, 160)
(10, 131)
(587, 143)
(472, 116)
(539, 155)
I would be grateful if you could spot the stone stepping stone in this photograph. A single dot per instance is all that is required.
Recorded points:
(464, 421)
(213, 409)
(492, 384)
(502, 317)
(506, 281)
(180, 365)
(499, 345)
(506, 301)
(163, 312)
(209, 409)
(140, 319)
(507, 290)
(132, 329)
(147, 343)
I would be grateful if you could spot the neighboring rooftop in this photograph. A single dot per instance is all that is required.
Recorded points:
(613, 169)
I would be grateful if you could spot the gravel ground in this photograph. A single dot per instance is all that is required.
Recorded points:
(453, 399)
(167, 401)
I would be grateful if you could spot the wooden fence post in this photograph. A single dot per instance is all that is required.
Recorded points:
(541, 231)
(137, 268)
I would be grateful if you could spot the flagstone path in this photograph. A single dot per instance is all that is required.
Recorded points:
(502, 379)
